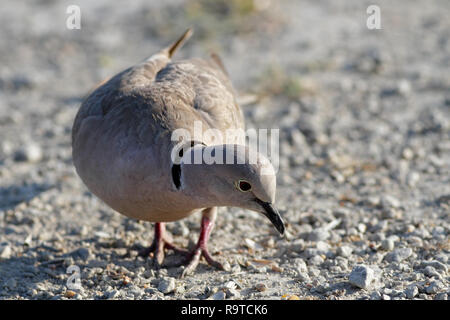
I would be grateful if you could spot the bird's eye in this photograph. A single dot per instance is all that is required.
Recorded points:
(243, 186)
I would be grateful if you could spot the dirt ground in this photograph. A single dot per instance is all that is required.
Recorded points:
(364, 168)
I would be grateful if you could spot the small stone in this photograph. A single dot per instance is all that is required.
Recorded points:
(398, 255)
(442, 257)
(344, 251)
(82, 253)
(102, 234)
(407, 154)
(404, 88)
(430, 271)
(232, 293)
(179, 229)
(318, 235)
(300, 265)
(316, 260)
(441, 296)
(135, 291)
(31, 152)
(112, 294)
(297, 245)
(5, 251)
(166, 285)
(435, 264)
(219, 295)
(276, 268)
(261, 287)
(11, 283)
(303, 277)
(180, 289)
(362, 276)
(389, 201)
(362, 227)
(434, 287)
(411, 291)
(412, 178)
(253, 245)
(391, 213)
(28, 240)
(70, 294)
(388, 244)
(322, 246)
(84, 231)
(375, 295)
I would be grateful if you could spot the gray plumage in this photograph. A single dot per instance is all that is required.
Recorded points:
(122, 145)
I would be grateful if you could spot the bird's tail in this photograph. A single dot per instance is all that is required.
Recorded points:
(177, 44)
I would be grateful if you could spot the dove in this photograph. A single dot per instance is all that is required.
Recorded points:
(123, 149)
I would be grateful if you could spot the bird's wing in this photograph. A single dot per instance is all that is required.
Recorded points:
(101, 99)
(208, 92)
(166, 95)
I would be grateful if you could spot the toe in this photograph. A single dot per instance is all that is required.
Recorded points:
(192, 265)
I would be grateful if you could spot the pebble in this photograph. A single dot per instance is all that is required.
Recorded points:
(219, 295)
(430, 271)
(412, 178)
(5, 251)
(316, 260)
(112, 294)
(31, 152)
(253, 245)
(232, 293)
(344, 251)
(10, 283)
(82, 253)
(388, 244)
(297, 245)
(70, 294)
(435, 264)
(179, 229)
(322, 246)
(441, 296)
(362, 276)
(261, 287)
(167, 285)
(441, 257)
(411, 291)
(389, 201)
(318, 235)
(434, 287)
(398, 255)
(300, 266)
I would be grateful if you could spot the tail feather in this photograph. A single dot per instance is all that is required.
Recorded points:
(177, 44)
(216, 58)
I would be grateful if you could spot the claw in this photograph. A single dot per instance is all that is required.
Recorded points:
(194, 258)
(160, 243)
(156, 250)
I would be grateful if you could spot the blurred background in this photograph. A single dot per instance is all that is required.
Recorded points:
(364, 119)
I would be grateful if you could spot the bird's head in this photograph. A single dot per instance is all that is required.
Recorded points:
(230, 175)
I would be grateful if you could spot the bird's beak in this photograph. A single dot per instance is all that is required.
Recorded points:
(274, 216)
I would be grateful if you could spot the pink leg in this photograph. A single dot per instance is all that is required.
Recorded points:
(201, 248)
(160, 242)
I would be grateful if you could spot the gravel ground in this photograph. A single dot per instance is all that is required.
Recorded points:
(364, 119)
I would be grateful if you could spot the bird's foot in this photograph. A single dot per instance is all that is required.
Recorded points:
(194, 258)
(158, 246)
(157, 251)
(201, 249)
